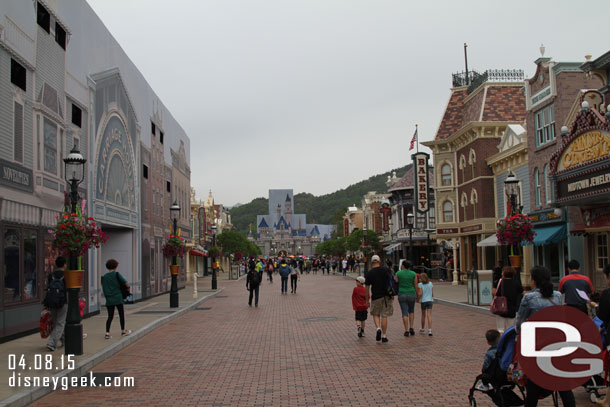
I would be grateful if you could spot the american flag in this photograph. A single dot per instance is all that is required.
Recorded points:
(413, 140)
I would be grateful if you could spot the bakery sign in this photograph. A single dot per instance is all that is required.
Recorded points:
(590, 146)
(420, 162)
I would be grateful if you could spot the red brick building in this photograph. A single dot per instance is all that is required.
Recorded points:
(553, 99)
(480, 108)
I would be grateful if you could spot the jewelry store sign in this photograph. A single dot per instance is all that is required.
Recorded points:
(15, 176)
(583, 185)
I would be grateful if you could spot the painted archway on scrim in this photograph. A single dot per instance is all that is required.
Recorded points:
(115, 166)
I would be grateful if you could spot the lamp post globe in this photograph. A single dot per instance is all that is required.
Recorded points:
(174, 211)
(74, 174)
(410, 220)
(511, 186)
(214, 278)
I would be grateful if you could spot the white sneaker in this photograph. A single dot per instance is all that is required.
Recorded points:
(422, 331)
(482, 387)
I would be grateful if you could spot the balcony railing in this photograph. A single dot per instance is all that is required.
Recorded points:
(474, 79)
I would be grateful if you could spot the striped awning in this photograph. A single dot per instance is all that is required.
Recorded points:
(392, 247)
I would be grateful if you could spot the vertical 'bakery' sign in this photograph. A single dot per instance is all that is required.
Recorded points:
(420, 193)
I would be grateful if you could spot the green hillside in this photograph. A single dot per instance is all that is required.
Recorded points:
(323, 209)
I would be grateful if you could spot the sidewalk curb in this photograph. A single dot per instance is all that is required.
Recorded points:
(83, 367)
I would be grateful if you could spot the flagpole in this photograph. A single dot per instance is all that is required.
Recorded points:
(416, 138)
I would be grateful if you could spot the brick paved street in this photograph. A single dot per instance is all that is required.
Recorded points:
(227, 354)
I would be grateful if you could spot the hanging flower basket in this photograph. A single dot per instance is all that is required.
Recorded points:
(174, 246)
(74, 234)
(515, 230)
(213, 251)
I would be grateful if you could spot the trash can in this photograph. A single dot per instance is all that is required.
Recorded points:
(482, 281)
(470, 286)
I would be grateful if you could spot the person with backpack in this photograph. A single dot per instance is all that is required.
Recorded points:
(543, 295)
(111, 286)
(56, 302)
(294, 278)
(378, 284)
(269, 269)
(253, 282)
(285, 271)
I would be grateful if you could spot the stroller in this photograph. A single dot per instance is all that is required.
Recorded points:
(494, 381)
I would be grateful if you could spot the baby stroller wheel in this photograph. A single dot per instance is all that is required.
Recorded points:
(594, 396)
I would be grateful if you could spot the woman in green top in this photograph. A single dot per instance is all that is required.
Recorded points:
(114, 297)
(407, 295)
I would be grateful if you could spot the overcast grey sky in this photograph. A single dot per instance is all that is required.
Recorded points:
(316, 95)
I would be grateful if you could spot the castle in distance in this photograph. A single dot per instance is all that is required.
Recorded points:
(283, 230)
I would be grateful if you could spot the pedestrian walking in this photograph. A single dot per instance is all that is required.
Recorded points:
(427, 298)
(294, 277)
(344, 266)
(376, 282)
(407, 295)
(360, 305)
(576, 287)
(334, 265)
(269, 267)
(260, 266)
(542, 296)
(510, 288)
(111, 286)
(285, 271)
(327, 267)
(56, 302)
(253, 281)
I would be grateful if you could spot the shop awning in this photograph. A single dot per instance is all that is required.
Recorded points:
(489, 241)
(392, 247)
(549, 235)
(195, 252)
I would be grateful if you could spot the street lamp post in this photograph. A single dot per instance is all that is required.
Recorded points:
(410, 219)
(428, 233)
(511, 185)
(214, 281)
(74, 174)
(173, 293)
(366, 265)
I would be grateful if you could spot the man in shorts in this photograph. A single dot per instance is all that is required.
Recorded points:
(376, 282)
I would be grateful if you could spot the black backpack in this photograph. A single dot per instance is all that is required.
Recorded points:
(392, 287)
(254, 279)
(56, 293)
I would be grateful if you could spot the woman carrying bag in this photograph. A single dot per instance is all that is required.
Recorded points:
(511, 289)
(112, 282)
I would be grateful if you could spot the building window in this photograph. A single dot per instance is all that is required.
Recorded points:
(161, 137)
(18, 74)
(544, 121)
(152, 128)
(18, 132)
(431, 219)
(168, 186)
(77, 115)
(547, 184)
(602, 250)
(447, 212)
(60, 36)
(20, 261)
(474, 200)
(462, 166)
(43, 18)
(472, 159)
(537, 186)
(464, 205)
(50, 146)
(445, 174)
(145, 175)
